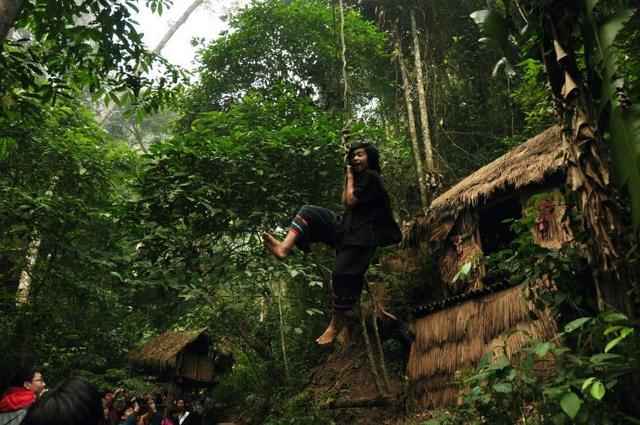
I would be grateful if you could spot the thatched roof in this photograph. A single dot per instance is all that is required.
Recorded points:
(162, 351)
(530, 163)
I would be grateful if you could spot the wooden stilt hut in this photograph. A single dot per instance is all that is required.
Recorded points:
(182, 358)
(477, 315)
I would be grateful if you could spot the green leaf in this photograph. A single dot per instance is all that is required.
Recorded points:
(610, 29)
(503, 387)
(298, 331)
(575, 324)
(603, 357)
(570, 404)
(624, 130)
(625, 332)
(614, 317)
(587, 382)
(597, 390)
(463, 272)
(555, 393)
(486, 360)
(541, 349)
(591, 4)
(493, 25)
(612, 329)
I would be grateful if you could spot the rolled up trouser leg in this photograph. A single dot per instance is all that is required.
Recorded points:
(346, 291)
(314, 224)
(348, 276)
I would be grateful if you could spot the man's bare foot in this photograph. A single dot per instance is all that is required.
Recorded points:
(328, 336)
(335, 326)
(277, 248)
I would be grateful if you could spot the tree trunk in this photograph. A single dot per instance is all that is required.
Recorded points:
(588, 172)
(26, 277)
(283, 344)
(104, 115)
(8, 11)
(422, 97)
(176, 25)
(135, 131)
(372, 362)
(406, 88)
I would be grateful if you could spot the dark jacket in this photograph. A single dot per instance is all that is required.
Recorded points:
(370, 221)
(192, 419)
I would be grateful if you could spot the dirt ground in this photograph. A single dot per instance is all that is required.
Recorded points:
(347, 378)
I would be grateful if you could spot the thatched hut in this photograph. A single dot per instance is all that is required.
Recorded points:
(180, 356)
(467, 220)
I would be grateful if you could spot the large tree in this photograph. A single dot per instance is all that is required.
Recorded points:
(298, 44)
(63, 45)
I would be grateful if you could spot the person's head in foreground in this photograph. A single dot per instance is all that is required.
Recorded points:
(30, 379)
(74, 401)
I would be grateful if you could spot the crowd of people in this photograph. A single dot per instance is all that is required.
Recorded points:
(76, 401)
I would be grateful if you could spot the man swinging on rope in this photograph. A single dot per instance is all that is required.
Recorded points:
(367, 223)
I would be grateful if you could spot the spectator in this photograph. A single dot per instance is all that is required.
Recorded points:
(26, 385)
(108, 403)
(130, 414)
(172, 417)
(75, 401)
(154, 417)
(185, 416)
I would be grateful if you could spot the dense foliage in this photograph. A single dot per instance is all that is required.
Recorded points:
(120, 240)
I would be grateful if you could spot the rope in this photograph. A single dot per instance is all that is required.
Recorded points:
(346, 127)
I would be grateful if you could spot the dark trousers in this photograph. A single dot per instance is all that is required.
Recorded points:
(352, 262)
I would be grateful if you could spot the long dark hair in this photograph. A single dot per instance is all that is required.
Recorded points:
(75, 401)
(373, 156)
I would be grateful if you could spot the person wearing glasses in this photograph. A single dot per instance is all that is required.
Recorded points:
(25, 386)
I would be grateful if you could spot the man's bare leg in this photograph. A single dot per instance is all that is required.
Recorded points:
(279, 249)
(332, 330)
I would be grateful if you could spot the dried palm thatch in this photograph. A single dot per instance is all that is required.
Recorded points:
(162, 352)
(402, 261)
(531, 162)
(464, 247)
(457, 337)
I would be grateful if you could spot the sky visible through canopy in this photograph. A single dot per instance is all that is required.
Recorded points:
(204, 22)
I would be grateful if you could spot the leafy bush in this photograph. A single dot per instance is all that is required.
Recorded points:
(300, 409)
(583, 388)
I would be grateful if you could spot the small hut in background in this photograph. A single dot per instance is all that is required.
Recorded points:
(476, 315)
(182, 358)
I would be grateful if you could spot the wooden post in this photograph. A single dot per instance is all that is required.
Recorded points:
(172, 386)
(169, 400)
